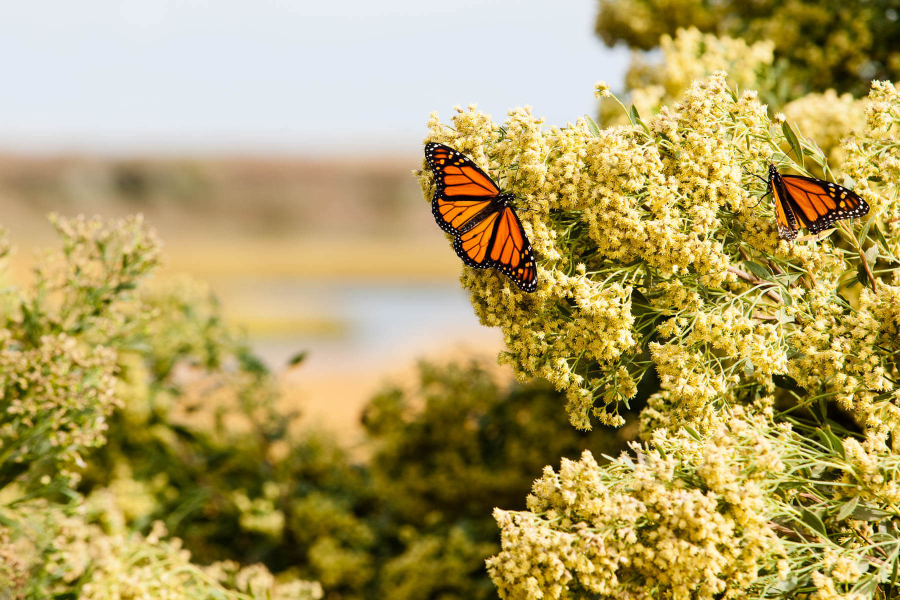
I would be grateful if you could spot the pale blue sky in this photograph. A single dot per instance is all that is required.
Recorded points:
(303, 77)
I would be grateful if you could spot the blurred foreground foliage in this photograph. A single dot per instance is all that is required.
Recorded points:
(145, 455)
(66, 343)
(227, 476)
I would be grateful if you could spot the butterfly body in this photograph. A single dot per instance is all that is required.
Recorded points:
(806, 202)
(468, 205)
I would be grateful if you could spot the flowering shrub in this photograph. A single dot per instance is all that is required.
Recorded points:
(657, 253)
(77, 345)
(777, 360)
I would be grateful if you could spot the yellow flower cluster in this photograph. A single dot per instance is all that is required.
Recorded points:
(56, 397)
(112, 564)
(691, 56)
(873, 160)
(869, 475)
(645, 214)
(828, 118)
(843, 355)
(686, 520)
(655, 253)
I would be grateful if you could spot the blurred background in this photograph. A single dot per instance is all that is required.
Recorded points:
(271, 145)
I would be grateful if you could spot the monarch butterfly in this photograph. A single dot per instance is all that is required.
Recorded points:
(811, 203)
(468, 204)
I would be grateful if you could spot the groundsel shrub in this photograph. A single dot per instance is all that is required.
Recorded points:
(83, 340)
(767, 467)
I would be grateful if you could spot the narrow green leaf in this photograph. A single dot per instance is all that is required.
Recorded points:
(864, 232)
(865, 588)
(592, 125)
(869, 513)
(633, 115)
(298, 358)
(817, 158)
(823, 437)
(882, 240)
(847, 508)
(636, 120)
(759, 270)
(792, 139)
(861, 275)
(836, 443)
(692, 432)
(786, 382)
(813, 521)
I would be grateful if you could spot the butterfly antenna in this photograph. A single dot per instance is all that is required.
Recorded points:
(761, 199)
(764, 180)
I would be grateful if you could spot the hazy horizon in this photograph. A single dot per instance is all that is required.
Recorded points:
(280, 78)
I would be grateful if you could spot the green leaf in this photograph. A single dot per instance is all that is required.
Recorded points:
(793, 352)
(759, 270)
(636, 120)
(592, 125)
(864, 232)
(633, 115)
(787, 299)
(882, 240)
(817, 158)
(864, 588)
(692, 432)
(792, 139)
(251, 362)
(823, 437)
(869, 513)
(836, 443)
(872, 254)
(847, 508)
(787, 585)
(812, 520)
(861, 275)
(786, 382)
(298, 358)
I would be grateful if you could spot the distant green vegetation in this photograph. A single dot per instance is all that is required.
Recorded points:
(818, 45)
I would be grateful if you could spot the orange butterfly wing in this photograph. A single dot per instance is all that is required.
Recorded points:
(812, 203)
(463, 191)
(470, 206)
(784, 215)
(499, 242)
(822, 202)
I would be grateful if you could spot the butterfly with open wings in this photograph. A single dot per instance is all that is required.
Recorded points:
(811, 203)
(469, 205)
